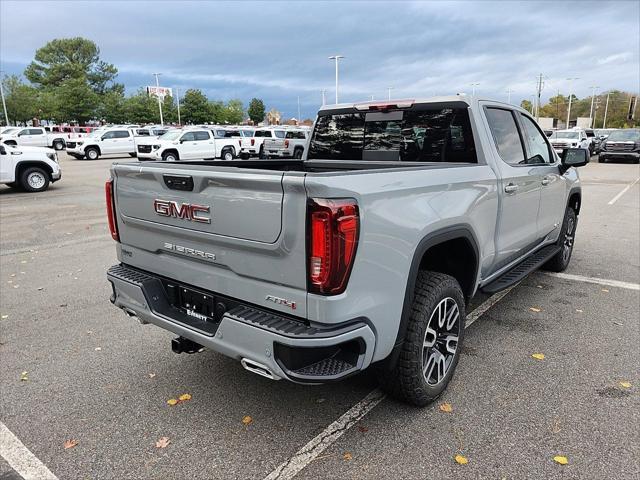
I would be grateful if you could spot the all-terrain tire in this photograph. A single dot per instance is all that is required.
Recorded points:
(560, 261)
(407, 380)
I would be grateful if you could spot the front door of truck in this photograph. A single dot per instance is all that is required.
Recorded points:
(519, 188)
(553, 186)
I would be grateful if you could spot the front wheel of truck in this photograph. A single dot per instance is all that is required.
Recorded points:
(560, 261)
(431, 348)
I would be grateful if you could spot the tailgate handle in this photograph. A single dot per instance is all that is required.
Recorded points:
(179, 182)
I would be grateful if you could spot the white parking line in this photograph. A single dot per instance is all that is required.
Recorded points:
(599, 281)
(20, 457)
(307, 454)
(624, 190)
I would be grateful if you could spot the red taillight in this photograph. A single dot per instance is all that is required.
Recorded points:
(286, 144)
(253, 142)
(111, 210)
(333, 227)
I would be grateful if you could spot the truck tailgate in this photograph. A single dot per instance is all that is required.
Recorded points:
(248, 227)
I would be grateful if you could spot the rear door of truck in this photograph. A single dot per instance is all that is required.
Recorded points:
(234, 231)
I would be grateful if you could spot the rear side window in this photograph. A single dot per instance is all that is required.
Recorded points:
(279, 133)
(433, 135)
(121, 134)
(299, 135)
(201, 136)
(143, 132)
(505, 133)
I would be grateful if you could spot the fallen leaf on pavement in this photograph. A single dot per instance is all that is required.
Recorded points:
(446, 407)
(247, 420)
(538, 356)
(625, 384)
(363, 429)
(172, 401)
(347, 456)
(24, 377)
(562, 460)
(534, 309)
(163, 442)
(185, 397)
(70, 443)
(461, 460)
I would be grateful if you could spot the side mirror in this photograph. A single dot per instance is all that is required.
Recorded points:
(574, 157)
(3, 151)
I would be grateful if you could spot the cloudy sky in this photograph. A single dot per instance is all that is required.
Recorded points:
(278, 51)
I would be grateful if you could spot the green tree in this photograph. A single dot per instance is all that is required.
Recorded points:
(142, 108)
(195, 107)
(256, 110)
(169, 110)
(76, 101)
(234, 112)
(21, 99)
(113, 107)
(66, 59)
(526, 104)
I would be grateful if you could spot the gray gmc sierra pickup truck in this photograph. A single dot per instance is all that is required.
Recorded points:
(364, 252)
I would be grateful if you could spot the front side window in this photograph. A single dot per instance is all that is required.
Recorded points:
(538, 151)
(199, 136)
(505, 133)
(108, 135)
(188, 137)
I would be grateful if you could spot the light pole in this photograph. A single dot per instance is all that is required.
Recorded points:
(473, 88)
(158, 95)
(4, 105)
(509, 95)
(593, 96)
(570, 98)
(533, 103)
(606, 108)
(178, 100)
(336, 58)
(389, 92)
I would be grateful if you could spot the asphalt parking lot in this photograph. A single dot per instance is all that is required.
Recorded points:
(95, 376)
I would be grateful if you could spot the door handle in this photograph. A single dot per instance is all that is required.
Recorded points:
(545, 181)
(511, 188)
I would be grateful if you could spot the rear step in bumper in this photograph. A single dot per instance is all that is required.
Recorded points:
(267, 344)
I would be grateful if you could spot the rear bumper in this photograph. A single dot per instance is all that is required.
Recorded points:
(287, 347)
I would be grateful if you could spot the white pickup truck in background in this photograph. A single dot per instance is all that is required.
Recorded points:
(28, 168)
(253, 146)
(33, 137)
(292, 145)
(111, 141)
(191, 144)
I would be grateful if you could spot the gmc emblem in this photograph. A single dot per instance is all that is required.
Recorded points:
(186, 211)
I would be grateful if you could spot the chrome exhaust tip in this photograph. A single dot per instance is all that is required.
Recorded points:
(258, 369)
